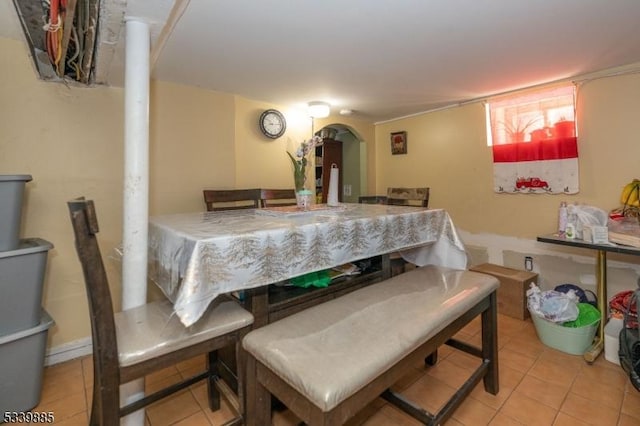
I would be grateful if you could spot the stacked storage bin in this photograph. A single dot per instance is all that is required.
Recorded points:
(23, 322)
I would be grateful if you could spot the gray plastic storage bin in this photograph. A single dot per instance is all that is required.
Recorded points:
(11, 191)
(22, 366)
(21, 279)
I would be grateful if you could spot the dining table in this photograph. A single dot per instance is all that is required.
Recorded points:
(196, 257)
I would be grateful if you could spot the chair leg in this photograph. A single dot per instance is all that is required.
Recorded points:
(105, 402)
(241, 371)
(95, 418)
(96, 400)
(105, 408)
(212, 390)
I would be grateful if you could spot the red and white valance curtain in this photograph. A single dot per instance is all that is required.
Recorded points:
(534, 140)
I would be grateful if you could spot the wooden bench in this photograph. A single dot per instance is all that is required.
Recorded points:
(328, 362)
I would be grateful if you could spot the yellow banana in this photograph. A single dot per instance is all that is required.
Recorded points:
(624, 196)
(626, 193)
(633, 196)
(630, 193)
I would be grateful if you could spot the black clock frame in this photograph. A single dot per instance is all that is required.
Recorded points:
(265, 131)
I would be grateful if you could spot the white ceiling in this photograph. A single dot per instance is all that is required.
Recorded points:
(383, 59)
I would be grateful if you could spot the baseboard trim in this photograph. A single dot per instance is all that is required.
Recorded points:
(68, 351)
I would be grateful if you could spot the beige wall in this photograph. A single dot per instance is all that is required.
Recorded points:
(447, 152)
(70, 139)
(191, 146)
(262, 162)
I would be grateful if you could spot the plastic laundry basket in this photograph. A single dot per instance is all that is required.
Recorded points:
(573, 341)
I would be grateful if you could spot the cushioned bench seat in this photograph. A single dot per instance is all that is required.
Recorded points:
(318, 359)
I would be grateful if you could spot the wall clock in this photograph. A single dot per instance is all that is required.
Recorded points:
(272, 123)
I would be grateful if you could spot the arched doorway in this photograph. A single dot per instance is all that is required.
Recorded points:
(353, 161)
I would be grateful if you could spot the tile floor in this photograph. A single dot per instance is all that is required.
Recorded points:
(538, 386)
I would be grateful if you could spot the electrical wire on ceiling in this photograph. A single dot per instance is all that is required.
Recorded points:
(54, 26)
(70, 36)
(75, 57)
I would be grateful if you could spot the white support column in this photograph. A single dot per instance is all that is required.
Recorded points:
(136, 184)
(136, 164)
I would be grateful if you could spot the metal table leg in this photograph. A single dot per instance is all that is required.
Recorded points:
(601, 281)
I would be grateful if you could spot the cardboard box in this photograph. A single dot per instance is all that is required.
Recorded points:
(512, 294)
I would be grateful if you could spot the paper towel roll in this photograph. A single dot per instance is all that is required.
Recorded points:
(332, 195)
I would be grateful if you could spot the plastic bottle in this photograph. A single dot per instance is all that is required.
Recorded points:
(562, 218)
(572, 222)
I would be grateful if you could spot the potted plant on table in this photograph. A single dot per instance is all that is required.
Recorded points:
(299, 162)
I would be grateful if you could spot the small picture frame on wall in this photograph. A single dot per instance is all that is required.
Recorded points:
(398, 143)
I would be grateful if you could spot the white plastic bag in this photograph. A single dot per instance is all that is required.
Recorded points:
(553, 305)
(586, 215)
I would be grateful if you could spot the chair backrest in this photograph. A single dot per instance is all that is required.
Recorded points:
(372, 199)
(277, 197)
(231, 199)
(408, 196)
(103, 329)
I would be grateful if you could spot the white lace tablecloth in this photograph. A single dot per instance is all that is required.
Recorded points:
(195, 257)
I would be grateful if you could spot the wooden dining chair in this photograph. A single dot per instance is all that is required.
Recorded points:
(372, 199)
(231, 199)
(277, 197)
(418, 197)
(133, 343)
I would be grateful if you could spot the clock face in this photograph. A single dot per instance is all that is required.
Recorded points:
(272, 123)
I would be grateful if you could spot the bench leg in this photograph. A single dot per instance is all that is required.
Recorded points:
(257, 397)
(490, 344)
(212, 390)
(432, 358)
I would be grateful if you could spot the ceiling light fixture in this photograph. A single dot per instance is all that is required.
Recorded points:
(319, 109)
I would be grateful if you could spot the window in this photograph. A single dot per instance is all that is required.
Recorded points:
(534, 141)
(535, 116)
